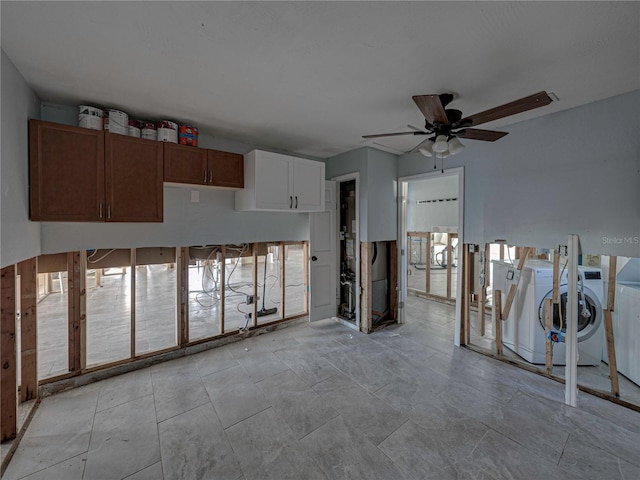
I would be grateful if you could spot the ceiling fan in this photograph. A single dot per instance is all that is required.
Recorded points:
(445, 126)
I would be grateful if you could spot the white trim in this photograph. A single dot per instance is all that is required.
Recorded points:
(345, 178)
(402, 235)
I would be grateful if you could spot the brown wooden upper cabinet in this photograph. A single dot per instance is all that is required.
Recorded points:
(201, 166)
(81, 175)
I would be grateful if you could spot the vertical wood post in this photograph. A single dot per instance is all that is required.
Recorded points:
(548, 312)
(8, 360)
(497, 306)
(132, 262)
(449, 262)
(183, 295)
(556, 278)
(393, 279)
(254, 256)
(502, 251)
(483, 290)
(305, 274)
(281, 255)
(74, 289)
(28, 271)
(608, 328)
(427, 264)
(222, 283)
(365, 284)
(468, 268)
(82, 308)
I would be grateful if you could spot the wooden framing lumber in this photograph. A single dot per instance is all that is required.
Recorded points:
(393, 280)
(222, 256)
(282, 249)
(305, 274)
(366, 249)
(254, 278)
(514, 287)
(483, 290)
(132, 263)
(28, 271)
(183, 295)
(497, 305)
(466, 287)
(608, 328)
(556, 278)
(449, 262)
(548, 312)
(8, 360)
(74, 288)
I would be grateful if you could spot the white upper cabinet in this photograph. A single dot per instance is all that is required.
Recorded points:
(275, 182)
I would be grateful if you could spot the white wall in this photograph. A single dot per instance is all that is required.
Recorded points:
(422, 217)
(211, 221)
(575, 171)
(19, 237)
(378, 190)
(382, 188)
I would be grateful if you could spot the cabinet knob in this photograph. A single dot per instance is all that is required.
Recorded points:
(210, 176)
(296, 201)
(204, 180)
(100, 210)
(290, 201)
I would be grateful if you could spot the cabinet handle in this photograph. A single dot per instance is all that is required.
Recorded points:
(290, 201)
(296, 201)
(204, 180)
(108, 210)
(100, 210)
(210, 176)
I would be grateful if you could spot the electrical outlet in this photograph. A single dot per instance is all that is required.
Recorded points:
(250, 299)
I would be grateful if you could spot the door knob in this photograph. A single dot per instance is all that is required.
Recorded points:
(314, 258)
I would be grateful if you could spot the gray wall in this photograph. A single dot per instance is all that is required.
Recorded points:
(378, 190)
(19, 237)
(211, 221)
(575, 171)
(422, 217)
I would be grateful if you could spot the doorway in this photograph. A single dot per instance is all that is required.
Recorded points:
(431, 217)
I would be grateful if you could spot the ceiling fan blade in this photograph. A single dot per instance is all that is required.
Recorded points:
(479, 134)
(393, 134)
(536, 100)
(431, 107)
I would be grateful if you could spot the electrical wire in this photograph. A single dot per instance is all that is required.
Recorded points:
(89, 258)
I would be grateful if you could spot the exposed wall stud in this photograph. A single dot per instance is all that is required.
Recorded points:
(8, 360)
(28, 271)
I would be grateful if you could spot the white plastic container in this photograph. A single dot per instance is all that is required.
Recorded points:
(167, 131)
(116, 121)
(90, 117)
(133, 130)
(148, 130)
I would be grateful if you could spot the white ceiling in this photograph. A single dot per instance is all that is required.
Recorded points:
(313, 77)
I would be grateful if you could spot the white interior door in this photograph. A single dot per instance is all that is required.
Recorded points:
(323, 258)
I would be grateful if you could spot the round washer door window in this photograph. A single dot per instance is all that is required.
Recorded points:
(587, 324)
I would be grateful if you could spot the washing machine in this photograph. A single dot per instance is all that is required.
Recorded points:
(524, 333)
(626, 321)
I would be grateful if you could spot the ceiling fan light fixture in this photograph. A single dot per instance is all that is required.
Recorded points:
(455, 145)
(441, 145)
(427, 148)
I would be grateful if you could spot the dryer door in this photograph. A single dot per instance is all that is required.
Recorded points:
(587, 324)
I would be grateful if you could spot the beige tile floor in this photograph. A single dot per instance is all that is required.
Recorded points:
(321, 401)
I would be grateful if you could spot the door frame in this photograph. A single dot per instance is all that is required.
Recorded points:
(402, 236)
(340, 179)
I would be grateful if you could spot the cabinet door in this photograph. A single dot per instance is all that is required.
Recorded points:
(183, 164)
(308, 185)
(134, 174)
(66, 172)
(273, 181)
(227, 169)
